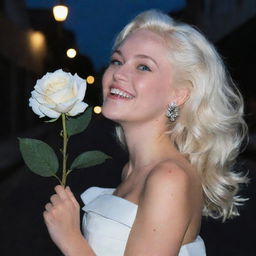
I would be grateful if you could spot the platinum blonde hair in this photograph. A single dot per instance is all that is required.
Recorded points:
(210, 128)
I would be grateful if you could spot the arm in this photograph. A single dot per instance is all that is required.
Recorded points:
(62, 218)
(163, 215)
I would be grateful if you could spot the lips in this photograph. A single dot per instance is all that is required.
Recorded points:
(116, 92)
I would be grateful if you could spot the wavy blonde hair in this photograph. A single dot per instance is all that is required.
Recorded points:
(210, 128)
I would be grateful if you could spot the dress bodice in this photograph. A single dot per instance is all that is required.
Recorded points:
(108, 220)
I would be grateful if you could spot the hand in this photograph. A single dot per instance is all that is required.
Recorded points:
(62, 217)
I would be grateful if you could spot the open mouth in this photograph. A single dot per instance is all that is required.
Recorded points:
(120, 93)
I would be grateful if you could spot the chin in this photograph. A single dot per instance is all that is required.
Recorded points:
(111, 114)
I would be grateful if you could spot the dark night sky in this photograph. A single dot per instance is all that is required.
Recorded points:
(96, 22)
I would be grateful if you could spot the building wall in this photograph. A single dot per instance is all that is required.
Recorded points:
(24, 47)
(22, 57)
(19, 43)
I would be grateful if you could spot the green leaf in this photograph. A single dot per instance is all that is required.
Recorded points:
(89, 158)
(79, 123)
(39, 157)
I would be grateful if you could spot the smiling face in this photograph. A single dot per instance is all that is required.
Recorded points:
(137, 85)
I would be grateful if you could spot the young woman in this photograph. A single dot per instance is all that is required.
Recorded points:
(180, 117)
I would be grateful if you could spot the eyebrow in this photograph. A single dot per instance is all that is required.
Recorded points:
(143, 56)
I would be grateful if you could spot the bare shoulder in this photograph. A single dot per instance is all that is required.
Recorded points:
(169, 174)
(171, 183)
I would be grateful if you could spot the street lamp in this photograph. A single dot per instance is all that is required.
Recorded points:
(60, 12)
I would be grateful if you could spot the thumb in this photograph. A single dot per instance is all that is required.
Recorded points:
(71, 196)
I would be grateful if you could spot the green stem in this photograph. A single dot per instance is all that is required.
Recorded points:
(55, 176)
(64, 151)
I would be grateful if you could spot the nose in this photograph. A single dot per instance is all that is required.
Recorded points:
(121, 73)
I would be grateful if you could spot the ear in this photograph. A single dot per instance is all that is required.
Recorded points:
(181, 95)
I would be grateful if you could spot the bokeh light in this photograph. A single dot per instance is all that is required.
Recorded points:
(90, 79)
(60, 12)
(71, 53)
(97, 109)
(37, 42)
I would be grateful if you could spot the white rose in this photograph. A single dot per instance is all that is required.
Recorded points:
(58, 92)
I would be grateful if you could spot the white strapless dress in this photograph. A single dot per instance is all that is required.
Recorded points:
(108, 220)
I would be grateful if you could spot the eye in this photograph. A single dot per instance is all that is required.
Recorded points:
(115, 62)
(143, 67)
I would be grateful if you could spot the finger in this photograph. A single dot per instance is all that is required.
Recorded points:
(60, 190)
(71, 196)
(55, 199)
(47, 218)
(48, 207)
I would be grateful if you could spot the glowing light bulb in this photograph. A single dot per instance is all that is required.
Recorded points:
(60, 12)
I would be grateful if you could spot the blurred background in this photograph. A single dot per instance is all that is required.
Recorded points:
(33, 42)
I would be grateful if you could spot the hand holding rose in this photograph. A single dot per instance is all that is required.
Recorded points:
(62, 217)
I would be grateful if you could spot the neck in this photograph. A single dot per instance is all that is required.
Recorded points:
(147, 144)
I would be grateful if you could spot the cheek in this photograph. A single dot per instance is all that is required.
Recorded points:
(158, 90)
(161, 98)
(105, 82)
(164, 88)
(105, 76)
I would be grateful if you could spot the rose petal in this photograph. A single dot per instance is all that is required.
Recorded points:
(65, 107)
(52, 82)
(38, 87)
(78, 108)
(62, 95)
(78, 79)
(81, 87)
(49, 112)
(41, 83)
(42, 99)
(35, 107)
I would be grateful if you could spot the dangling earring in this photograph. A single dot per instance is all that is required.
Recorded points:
(172, 111)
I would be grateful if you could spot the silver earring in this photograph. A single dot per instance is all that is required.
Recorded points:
(172, 111)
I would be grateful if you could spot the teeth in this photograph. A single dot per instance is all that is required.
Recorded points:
(120, 93)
